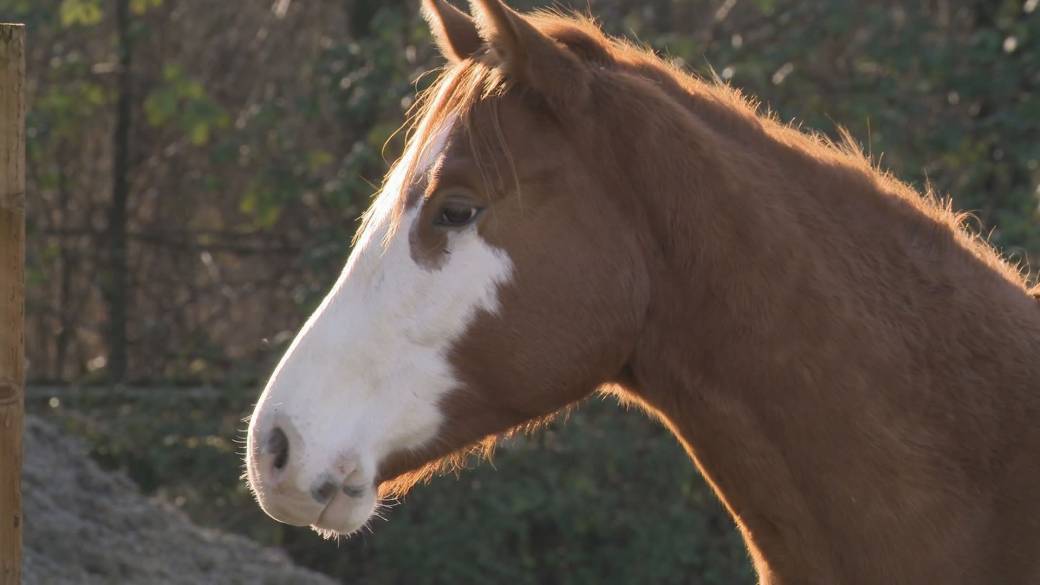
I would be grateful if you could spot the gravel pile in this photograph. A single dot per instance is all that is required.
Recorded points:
(87, 526)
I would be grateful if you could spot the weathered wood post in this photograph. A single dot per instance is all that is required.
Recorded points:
(12, 296)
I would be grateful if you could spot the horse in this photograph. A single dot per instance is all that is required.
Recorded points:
(853, 372)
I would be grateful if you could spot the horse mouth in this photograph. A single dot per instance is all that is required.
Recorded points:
(354, 491)
(347, 511)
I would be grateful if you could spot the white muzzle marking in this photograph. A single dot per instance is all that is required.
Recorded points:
(365, 376)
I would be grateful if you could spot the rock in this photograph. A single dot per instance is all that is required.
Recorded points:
(86, 526)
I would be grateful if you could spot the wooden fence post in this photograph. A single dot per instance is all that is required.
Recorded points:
(12, 296)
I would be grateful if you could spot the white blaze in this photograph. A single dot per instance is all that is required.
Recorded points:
(366, 374)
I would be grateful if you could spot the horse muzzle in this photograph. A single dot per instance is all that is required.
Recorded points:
(338, 497)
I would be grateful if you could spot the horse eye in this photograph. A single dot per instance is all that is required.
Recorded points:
(456, 215)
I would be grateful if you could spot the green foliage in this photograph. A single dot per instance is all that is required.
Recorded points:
(66, 109)
(140, 7)
(183, 101)
(80, 12)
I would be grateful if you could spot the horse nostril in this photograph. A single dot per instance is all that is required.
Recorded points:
(323, 492)
(278, 444)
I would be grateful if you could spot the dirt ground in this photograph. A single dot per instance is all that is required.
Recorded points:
(87, 526)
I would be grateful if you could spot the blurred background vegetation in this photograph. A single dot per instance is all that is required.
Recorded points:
(196, 170)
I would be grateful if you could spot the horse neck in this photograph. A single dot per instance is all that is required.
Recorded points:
(818, 370)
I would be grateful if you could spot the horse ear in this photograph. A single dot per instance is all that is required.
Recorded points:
(453, 30)
(529, 56)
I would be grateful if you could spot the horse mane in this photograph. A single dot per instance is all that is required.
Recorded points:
(464, 86)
